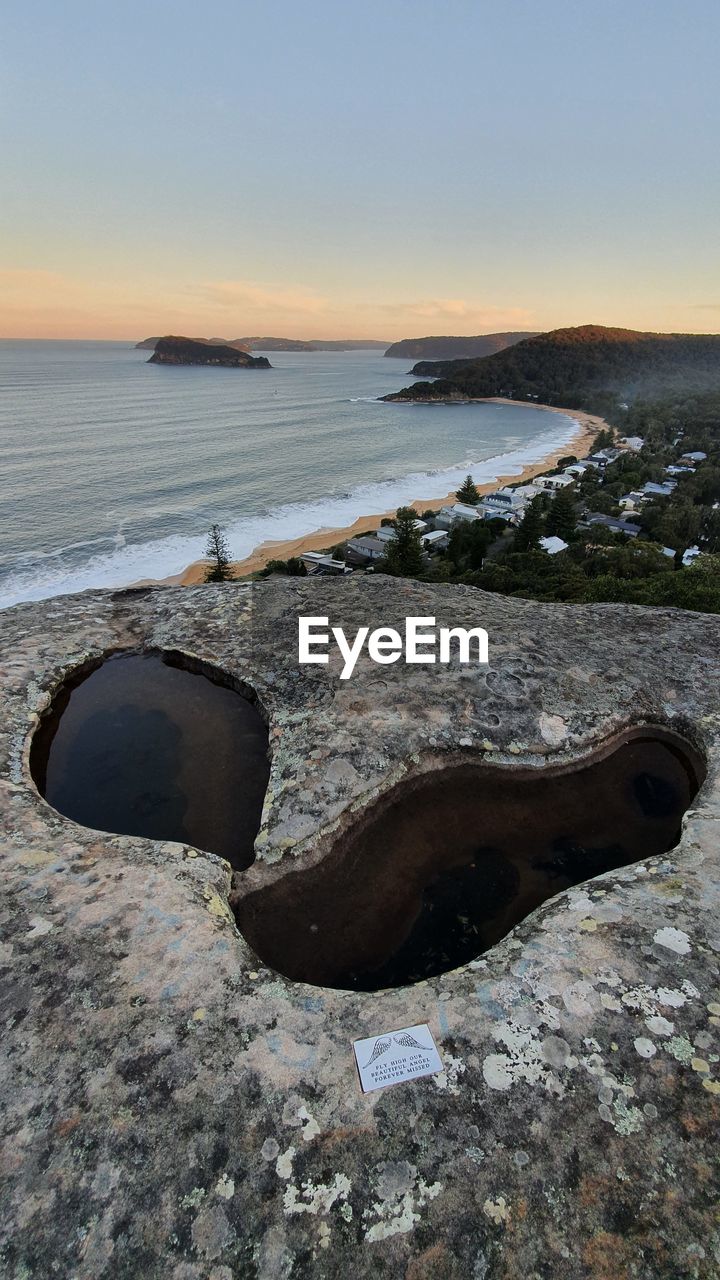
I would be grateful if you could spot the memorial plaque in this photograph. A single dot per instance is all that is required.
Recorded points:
(392, 1057)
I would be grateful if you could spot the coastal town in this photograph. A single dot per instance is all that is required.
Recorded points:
(632, 508)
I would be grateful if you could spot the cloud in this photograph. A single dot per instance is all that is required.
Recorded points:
(249, 296)
(40, 303)
(455, 310)
(704, 306)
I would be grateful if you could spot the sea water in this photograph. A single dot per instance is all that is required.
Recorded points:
(113, 469)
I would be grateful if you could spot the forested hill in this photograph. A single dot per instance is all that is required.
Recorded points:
(578, 367)
(485, 344)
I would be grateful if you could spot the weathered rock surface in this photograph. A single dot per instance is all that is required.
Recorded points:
(172, 1108)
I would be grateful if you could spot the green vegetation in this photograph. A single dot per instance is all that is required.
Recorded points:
(530, 532)
(468, 492)
(404, 556)
(603, 440)
(599, 564)
(561, 518)
(292, 568)
(589, 367)
(468, 545)
(216, 550)
(448, 348)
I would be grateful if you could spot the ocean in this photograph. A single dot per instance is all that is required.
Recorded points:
(113, 469)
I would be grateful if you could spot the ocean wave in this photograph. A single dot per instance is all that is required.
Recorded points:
(130, 562)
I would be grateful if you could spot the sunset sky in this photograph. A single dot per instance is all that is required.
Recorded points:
(390, 169)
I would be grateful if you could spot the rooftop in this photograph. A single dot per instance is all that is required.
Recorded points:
(553, 545)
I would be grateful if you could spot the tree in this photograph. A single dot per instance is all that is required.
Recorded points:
(468, 492)
(603, 440)
(528, 535)
(292, 568)
(561, 518)
(404, 556)
(217, 551)
(468, 544)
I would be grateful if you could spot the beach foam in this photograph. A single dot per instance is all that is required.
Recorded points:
(124, 562)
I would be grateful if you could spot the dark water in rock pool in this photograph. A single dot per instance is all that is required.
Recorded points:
(142, 747)
(448, 863)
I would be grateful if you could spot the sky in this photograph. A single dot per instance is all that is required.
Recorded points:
(390, 169)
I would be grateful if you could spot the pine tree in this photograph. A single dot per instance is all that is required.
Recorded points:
(217, 551)
(528, 535)
(561, 518)
(603, 440)
(468, 492)
(404, 555)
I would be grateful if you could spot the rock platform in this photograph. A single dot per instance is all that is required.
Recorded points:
(173, 1108)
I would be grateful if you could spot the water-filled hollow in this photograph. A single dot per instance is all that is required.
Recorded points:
(150, 744)
(448, 862)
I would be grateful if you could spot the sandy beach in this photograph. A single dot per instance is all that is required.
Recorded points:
(323, 539)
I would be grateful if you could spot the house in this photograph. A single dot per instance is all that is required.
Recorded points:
(448, 516)
(691, 555)
(553, 545)
(489, 512)
(630, 501)
(698, 456)
(615, 525)
(636, 443)
(386, 532)
(553, 482)
(435, 540)
(463, 511)
(665, 490)
(502, 499)
(510, 494)
(365, 549)
(576, 469)
(677, 470)
(318, 564)
(605, 456)
(526, 492)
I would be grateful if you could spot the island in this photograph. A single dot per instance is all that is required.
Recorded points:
(278, 344)
(186, 351)
(149, 344)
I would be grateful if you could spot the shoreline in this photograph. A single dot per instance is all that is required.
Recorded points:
(589, 424)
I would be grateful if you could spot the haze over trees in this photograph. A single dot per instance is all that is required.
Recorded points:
(449, 348)
(586, 367)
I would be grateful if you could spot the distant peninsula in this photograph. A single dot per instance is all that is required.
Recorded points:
(174, 350)
(278, 344)
(485, 344)
(587, 367)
